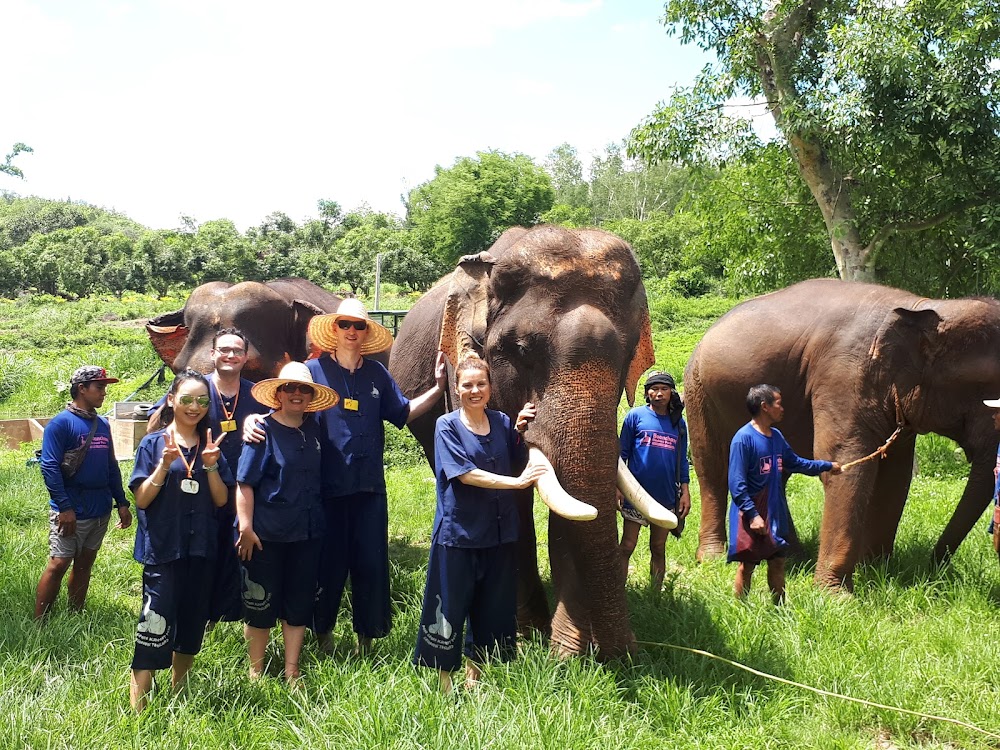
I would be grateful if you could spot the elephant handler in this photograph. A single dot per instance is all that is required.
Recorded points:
(654, 447)
(759, 520)
(79, 504)
(357, 514)
(231, 402)
(472, 571)
(281, 521)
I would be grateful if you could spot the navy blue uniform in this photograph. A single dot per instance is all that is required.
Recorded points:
(176, 541)
(357, 512)
(472, 570)
(226, 603)
(650, 446)
(285, 470)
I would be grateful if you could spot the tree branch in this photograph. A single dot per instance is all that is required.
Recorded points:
(917, 225)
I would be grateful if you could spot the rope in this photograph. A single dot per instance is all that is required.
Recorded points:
(880, 451)
(820, 691)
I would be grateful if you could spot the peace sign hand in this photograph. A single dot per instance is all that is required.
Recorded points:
(171, 451)
(210, 456)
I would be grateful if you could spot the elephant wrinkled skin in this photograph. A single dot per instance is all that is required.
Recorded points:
(844, 355)
(274, 315)
(562, 319)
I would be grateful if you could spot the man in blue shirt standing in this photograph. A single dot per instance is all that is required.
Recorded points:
(759, 520)
(80, 505)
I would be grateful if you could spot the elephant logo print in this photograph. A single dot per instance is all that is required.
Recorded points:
(255, 597)
(375, 392)
(150, 621)
(440, 632)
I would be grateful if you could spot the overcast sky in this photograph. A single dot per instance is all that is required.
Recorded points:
(234, 109)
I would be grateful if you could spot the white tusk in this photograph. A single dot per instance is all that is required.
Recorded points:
(642, 501)
(552, 493)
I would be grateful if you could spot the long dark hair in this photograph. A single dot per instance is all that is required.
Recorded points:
(167, 414)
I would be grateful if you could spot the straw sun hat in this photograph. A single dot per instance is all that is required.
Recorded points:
(266, 391)
(323, 328)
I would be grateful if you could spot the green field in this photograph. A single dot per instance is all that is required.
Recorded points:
(913, 635)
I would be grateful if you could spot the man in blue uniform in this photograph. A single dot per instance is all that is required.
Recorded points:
(759, 520)
(654, 447)
(357, 536)
(995, 519)
(80, 505)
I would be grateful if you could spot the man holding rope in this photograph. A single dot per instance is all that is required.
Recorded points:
(759, 520)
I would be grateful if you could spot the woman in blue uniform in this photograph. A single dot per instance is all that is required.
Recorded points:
(279, 508)
(472, 571)
(180, 478)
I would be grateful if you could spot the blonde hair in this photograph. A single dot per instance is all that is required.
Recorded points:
(472, 361)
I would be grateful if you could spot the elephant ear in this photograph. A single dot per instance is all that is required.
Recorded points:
(463, 326)
(643, 358)
(167, 334)
(302, 312)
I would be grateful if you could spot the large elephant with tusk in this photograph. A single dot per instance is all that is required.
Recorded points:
(561, 317)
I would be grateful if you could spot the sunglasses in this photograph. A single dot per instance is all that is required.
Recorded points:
(359, 325)
(187, 399)
(305, 390)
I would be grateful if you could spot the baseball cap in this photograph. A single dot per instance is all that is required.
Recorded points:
(91, 374)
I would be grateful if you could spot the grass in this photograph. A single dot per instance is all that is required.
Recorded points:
(914, 636)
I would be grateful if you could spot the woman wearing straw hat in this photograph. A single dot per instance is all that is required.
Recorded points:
(280, 514)
(357, 537)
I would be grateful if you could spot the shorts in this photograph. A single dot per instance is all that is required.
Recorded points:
(89, 535)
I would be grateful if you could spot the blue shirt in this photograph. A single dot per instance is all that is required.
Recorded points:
(468, 516)
(286, 472)
(176, 524)
(354, 440)
(650, 446)
(98, 481)
(755, 462)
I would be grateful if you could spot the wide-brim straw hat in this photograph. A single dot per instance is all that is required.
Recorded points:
(266, 391)
(323, 328)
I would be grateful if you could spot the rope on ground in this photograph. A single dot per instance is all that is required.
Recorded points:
(820, 691)
(880, 451)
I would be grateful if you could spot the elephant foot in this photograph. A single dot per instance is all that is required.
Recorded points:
(568, 640)
(941, 555)
(533, 617)
(838, 583)
(710, 551)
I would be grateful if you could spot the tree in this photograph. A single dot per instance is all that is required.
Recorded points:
(566, 172)
(8, 167)
(888, 108)
(625, 188)
(464, 208)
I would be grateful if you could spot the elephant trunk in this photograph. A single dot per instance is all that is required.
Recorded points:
(576, 428)
(975, 498)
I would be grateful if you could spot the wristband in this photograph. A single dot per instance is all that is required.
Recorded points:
(213, 467)
(155, 483)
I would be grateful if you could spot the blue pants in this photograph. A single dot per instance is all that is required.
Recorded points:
(226, 604)
(279, 582)
(356, 544)
(478, 584)
(175, 600)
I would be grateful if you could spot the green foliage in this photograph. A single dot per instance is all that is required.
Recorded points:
(8, 167)
(465, 207)
(940, 457)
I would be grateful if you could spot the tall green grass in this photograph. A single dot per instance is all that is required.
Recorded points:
(914, 635)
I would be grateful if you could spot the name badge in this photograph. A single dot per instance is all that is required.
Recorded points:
(228, 425)
(189, 486)
(351, 404)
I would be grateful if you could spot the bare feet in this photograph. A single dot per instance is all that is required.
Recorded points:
(472, 675)
(364, 646)
(325, 641)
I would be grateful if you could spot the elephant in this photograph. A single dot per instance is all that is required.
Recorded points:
(274, 315)
(561, 318)
(853, 361)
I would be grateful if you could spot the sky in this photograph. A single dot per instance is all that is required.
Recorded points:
(234, 109)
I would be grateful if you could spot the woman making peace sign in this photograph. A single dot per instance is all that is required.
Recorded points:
(180, 477)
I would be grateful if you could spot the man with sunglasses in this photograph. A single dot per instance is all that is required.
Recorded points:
(357, 516)
(80, 504)
(231, 402)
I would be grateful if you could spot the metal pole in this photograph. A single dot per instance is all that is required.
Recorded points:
(378, 278)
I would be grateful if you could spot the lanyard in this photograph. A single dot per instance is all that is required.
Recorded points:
(222, 402)
(180, 449)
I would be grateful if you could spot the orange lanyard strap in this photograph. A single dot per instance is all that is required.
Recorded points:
(222, 401)
(180, 450)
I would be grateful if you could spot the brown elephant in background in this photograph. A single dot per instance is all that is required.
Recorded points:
(561, 317)
(852, 360)
(274, 315)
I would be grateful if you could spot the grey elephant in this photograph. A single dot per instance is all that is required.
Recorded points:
(852, 361)
(561, 317)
